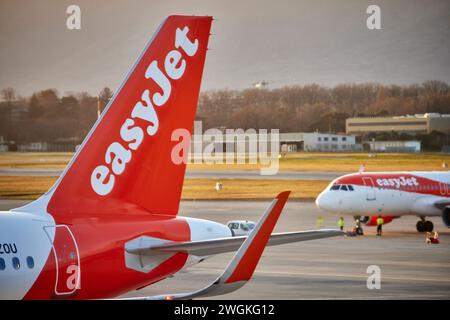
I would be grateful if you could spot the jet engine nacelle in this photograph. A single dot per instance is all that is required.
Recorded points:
(372, 220)
(446, 217)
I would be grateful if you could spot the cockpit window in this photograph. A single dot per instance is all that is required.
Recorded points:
(342, 187)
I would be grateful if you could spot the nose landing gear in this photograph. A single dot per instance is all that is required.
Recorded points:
(358, 229)
(424, 225)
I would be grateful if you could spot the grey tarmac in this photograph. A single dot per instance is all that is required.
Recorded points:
(334, 268)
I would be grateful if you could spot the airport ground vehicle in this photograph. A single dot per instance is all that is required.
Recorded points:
(367, 195)
(240, 227)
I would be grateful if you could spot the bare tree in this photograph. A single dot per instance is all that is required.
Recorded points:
(292, 108)
(8, 95)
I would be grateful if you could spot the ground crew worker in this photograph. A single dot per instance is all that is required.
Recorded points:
(341, 223)
(432, 238)
(362, 168)
(435, 238)
(428, 238)
(319, 222)
(380, 222)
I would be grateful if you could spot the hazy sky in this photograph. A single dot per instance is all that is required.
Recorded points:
(283, 42)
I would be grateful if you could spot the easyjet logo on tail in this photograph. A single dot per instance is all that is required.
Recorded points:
(119, 153)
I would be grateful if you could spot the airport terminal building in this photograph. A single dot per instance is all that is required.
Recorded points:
(412, 124)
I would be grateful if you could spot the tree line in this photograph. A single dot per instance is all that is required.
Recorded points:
(314, 107)
(48, 116)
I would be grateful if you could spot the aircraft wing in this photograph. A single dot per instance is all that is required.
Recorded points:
(241, 267)
(215, 246)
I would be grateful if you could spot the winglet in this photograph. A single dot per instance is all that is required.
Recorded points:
(244, 262)
(241, 267)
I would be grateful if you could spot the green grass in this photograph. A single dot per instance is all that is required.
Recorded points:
(22, 187)
(25, 187)
(306, 161)
(201, 189)
(349, 162)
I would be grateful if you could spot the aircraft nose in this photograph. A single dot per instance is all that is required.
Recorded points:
(318, 200)
(323, 201)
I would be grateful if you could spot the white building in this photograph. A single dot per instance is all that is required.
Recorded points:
(33, 146)
(288, 142)
(316, 141)
(413, 124)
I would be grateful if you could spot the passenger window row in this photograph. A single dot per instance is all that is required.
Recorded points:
(344, 187)
(16, 263)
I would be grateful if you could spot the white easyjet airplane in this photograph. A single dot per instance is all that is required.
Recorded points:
(109, 224)
(367, 195)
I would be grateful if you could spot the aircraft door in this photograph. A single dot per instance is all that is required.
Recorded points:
(67, 260)
(370, 188)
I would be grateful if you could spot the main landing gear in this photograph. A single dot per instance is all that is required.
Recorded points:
(424, 225)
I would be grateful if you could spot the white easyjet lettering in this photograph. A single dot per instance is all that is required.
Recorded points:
(146, 111)
(181, 40)
(118, 157)
(397, 182)
(131, 134)
(171, 62)
(154, 73)
(102, 181)
(118, 154)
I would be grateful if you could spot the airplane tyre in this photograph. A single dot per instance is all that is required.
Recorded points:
(428, 226)
(420, 226)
